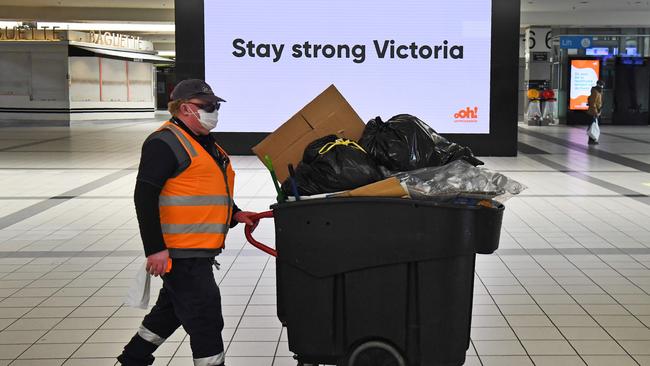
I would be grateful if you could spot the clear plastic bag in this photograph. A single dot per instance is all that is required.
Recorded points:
(459, 179)
(548, 117)
(534, 113)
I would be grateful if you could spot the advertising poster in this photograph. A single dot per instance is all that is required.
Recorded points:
(584, 75)
(422, 57)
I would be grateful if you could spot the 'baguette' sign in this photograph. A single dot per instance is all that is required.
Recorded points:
(116, 40)
(32, 32)
(29, 33)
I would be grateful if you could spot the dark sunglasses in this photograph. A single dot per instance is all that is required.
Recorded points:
(208, 107)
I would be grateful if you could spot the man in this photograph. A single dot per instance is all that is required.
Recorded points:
(184, 204)
(595, 102)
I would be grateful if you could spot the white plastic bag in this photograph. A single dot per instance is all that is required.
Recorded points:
(138, 295)
(594, 131)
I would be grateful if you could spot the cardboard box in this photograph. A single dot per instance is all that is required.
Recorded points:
(390, 187)
(328, 114)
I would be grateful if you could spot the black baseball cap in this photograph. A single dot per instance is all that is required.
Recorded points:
(194, 88)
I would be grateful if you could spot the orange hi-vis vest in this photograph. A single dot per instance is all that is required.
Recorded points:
(196, 205)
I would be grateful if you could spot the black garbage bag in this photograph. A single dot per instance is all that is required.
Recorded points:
(331, 164)
(405, 143)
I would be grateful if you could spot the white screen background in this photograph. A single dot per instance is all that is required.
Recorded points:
(261, 94)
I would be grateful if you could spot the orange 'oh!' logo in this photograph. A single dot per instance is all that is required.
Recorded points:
(467, 115)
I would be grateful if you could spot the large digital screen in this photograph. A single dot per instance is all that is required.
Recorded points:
(584, 75)
(429, 58)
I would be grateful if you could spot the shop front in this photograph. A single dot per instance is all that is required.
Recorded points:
(53, 77)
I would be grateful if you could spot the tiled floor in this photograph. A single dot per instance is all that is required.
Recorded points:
(569, 286)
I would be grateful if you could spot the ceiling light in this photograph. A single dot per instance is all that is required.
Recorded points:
(113, 27)
(106, 27)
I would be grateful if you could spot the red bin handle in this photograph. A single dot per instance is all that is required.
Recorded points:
(248, 231)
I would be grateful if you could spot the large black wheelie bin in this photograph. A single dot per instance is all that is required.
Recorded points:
(379, 281)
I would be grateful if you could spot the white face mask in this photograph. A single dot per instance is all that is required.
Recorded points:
(208, 120)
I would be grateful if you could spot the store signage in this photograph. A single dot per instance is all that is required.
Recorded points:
(576, 41)
(29, 33)
(116, 40)
(32, 32)
(584, 75)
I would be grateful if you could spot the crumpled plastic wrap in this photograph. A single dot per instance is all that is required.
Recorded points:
(459, 179)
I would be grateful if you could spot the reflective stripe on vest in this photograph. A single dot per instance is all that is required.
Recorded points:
(194, 200)
(184, 140)
(195, 206)
(194, 228)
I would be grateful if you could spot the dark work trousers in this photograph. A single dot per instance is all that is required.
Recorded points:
(190, 298)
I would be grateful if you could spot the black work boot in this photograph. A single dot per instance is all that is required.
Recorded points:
(137, 353)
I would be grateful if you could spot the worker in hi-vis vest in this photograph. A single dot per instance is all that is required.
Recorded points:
(184, 203)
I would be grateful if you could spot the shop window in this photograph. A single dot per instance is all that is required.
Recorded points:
(84, 79)
(114, 80)
(140, 81)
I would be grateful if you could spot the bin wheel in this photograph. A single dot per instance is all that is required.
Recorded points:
(375, 353)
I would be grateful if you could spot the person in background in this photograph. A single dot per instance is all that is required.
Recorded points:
(595, 103)
(184, 204)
